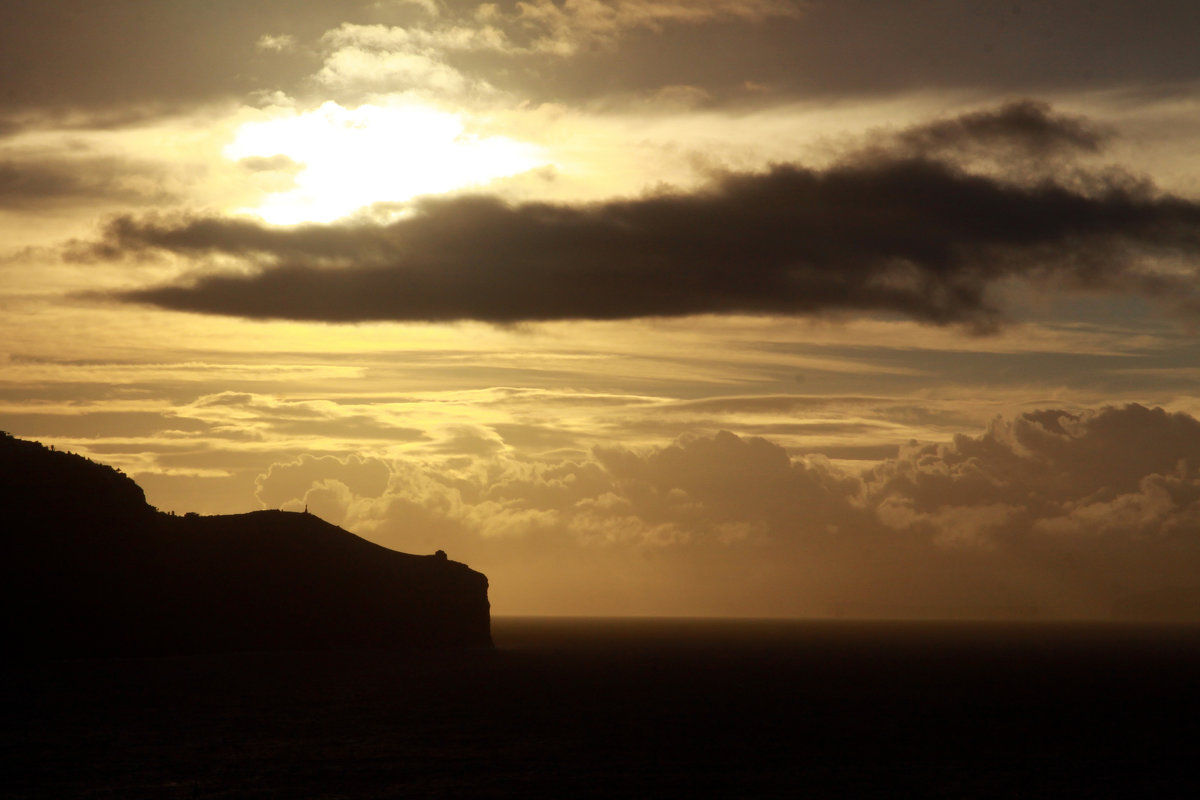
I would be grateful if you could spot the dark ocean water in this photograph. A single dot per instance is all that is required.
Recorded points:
(630, 708)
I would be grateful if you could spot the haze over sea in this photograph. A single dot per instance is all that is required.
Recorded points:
(568, 707)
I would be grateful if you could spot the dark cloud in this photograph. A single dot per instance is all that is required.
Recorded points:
(867, 48)
(1123, 472)
(278, 163)
(1021, 127)
(80, 54)
(69, 118)
(876, 232)
(130, 53)
(31, 183)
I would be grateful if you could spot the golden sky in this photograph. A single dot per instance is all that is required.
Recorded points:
(736, 307)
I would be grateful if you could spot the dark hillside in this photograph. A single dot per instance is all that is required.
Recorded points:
(89, 568)
(39, 483)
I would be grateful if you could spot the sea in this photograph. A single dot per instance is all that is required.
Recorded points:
(629, 708)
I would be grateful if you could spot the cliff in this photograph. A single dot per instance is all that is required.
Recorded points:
(89, 568)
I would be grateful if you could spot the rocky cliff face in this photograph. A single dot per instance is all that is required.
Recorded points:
(89, 568)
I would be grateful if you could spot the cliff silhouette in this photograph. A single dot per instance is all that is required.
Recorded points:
(89, 568)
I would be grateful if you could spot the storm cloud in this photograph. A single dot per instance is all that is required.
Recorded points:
(883, 230)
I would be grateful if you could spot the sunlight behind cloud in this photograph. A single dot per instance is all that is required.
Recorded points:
(353, 157)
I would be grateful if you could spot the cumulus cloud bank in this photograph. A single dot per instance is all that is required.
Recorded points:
(1052, 513)
(902, 227)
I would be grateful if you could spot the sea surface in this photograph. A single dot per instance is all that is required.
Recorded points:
(629, 708)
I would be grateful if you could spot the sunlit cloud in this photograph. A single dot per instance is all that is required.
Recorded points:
(276, 43)
(721, 504)
(351, 158)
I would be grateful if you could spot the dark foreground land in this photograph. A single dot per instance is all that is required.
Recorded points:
(568, 708)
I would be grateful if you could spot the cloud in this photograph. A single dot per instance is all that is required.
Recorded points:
(824, 49)
(450, 55)
(378, 57)
(52, 57)
(30, 183)
(546, 27)
(430, 7)
(91, 424)
(1021, 126)
(1043, 513)
(699, 489)
(272, 419)
(564, 29)
(67, 54)
(384, 38)
(701, 482)
(1089, 513)
(293, 480)
(276, 163)
(392, 71)
(875, 232)
(276, 43)
(1058, 512)
(1128, 472)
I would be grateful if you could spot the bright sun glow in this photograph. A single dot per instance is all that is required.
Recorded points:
(350, 158)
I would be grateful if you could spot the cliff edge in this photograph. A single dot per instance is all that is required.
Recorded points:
(89, 568)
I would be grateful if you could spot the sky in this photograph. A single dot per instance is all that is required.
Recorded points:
(726, 308)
